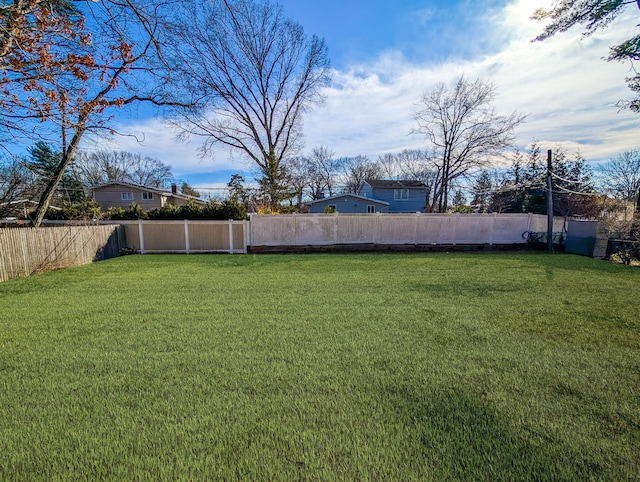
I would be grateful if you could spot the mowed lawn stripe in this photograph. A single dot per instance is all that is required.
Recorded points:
(403, 366)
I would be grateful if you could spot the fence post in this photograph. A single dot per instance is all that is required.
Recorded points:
(415, 232)
(244, 236)
(230, 236)
(455, 229)
(493, 227)
(141, 235)
(187, 241)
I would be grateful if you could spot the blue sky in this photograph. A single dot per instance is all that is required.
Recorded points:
(385, 54)
(357, 31)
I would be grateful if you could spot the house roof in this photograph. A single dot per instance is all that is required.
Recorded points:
(340, 196)
(163, 192)
(28, 201)
(399, 184)
(129, 184)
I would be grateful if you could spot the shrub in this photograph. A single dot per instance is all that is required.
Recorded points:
(168, 211)
(288, 209)
(266, 209)
(229, 209)
(87, 210)
(84, 210)
(461, 209)
(191, 210)
(232, 209)
(114, 213)
(626, 245)
(135, 212)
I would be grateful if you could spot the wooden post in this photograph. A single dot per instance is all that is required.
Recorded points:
(549, 203)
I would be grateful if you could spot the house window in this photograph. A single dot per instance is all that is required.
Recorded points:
(371, 208)
(126, 196)
(400, 194)
(147, 196)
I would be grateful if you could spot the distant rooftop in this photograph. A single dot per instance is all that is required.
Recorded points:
(400, 184)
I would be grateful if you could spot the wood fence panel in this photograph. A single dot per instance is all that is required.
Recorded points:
(24, 251)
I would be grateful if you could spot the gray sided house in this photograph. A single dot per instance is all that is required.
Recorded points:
(401, 196)
(349, 204)
(122, 195)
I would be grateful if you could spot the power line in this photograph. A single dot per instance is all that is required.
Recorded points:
(568, 191)
(570, 181)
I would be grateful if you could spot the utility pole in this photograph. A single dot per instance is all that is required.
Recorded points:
(549, 203)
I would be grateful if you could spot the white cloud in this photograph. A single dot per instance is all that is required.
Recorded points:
(563, 85)
(158, 139)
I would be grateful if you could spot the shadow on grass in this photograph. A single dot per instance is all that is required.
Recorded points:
(461, 439)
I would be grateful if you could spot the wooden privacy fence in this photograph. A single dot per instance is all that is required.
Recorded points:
(186, 236)
(394, 229)
(24, 251)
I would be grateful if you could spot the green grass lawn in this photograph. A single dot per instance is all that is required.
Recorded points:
(322, 367)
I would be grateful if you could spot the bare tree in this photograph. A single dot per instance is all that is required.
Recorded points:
(416, 165)
(101, 167)
(409, 164)
(356, 170)
(324, 168)
(463, 130)
(17, 186)
(621, 176)
(389, 165)
(296, 175)
(256, 73)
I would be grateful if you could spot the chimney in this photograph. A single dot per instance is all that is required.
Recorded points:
(174, 189)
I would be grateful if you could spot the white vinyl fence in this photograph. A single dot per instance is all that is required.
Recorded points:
(24, 250)
(394, 229)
